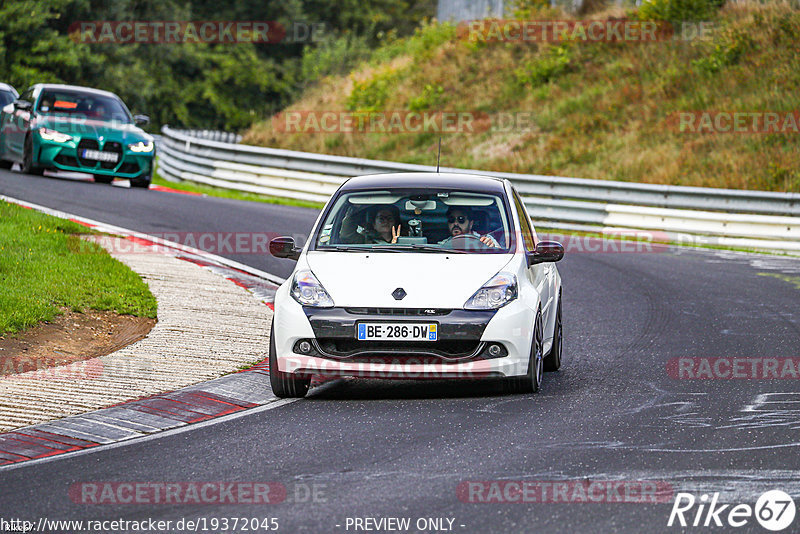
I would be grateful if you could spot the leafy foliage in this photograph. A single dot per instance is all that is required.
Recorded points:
(604, 110)
(197, 85)
(679, 10)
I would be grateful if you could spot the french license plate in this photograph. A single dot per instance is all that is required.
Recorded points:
(96, 155)
(397, 331)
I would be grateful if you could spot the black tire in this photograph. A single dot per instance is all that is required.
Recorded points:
(143, 180)
(552, 362)
(284, 385)
(27, 159)
(531, 382)
(141, 183)
(103, 179)
(5, 164)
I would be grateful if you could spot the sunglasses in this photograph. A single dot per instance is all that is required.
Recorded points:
(461, 219)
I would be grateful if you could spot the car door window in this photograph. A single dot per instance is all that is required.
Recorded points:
(528, 237)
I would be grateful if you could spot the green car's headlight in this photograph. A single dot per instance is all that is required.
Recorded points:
(52, 135)
(142, 146)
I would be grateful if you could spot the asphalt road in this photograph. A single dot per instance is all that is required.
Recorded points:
(379, 449)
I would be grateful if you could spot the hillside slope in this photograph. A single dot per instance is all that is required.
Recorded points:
(606, 110)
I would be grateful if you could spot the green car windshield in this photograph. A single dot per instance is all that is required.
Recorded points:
(399, 220)
(83, 105)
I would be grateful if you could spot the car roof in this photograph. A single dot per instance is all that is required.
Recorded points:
(51, 86)
(9, 88)
(433, 180)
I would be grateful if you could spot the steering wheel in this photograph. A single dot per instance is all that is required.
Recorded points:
(467, 242)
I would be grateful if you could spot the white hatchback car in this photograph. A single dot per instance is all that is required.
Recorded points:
(422, 276)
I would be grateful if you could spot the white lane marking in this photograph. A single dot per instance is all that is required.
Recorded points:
(144, 439)
(105, 227)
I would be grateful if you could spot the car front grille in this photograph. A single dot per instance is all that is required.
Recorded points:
(87, 144)
(112, 146)
(366, 351)
(109, 146)
(405, 312)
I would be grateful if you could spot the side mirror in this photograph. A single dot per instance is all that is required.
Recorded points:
(546, 252)
(23, 105)
(283, 247)
(141, 120)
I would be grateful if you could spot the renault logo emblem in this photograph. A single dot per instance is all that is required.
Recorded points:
(399, 293)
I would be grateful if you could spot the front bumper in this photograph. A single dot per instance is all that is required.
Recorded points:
(67, 157)
(462, 350)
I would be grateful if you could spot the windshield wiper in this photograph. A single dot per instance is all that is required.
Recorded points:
(349, 248)
(422, 248)
(342, 248)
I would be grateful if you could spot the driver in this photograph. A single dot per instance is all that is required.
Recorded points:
(100, 111)
(460, 221)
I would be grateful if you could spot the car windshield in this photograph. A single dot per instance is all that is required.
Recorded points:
(403, 220)
(83, 105)
(6, 97)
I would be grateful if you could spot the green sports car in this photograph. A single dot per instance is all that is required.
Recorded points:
(76, 129)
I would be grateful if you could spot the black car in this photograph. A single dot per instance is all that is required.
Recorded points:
(7, 94)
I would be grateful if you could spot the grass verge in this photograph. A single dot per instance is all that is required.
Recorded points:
(211, 191)
(590, 109)
(44, 268)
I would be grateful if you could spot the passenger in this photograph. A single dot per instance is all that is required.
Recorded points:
(460, 221)
(383, 226)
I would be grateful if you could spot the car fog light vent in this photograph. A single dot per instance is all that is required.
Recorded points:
(495, 350)
(304, 346)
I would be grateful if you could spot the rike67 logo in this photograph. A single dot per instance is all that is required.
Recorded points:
(774, 510)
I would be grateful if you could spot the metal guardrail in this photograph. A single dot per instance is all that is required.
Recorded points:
(309, 176)
(213, 135)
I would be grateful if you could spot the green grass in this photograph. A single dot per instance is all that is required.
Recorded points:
(46, 267)
(230, 193)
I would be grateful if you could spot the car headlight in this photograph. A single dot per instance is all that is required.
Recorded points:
(495, 293)
(307, 290)
(52, 135)
(141, 146)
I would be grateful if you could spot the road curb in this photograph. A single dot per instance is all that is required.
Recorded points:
(208, 326)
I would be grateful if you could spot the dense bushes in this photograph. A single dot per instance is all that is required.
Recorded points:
(679, 10)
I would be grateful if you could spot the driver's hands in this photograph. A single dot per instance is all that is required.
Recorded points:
(395, 235)
(489, 242)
